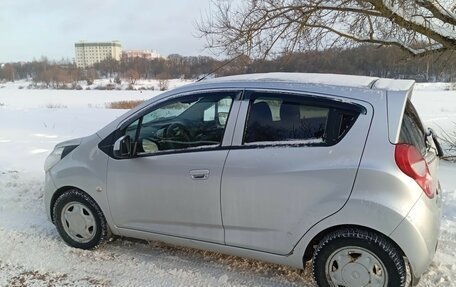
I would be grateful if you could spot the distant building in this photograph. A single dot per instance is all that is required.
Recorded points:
(145, 54)
(90, 53)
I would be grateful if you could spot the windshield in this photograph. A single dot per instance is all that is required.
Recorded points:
(168, 112)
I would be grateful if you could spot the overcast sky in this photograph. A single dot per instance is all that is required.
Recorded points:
(33, 28)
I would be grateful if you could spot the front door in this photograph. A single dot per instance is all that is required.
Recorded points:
(171, 185)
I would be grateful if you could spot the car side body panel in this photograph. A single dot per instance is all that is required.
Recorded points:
(159, 195)
(271, 195)
(85, 168)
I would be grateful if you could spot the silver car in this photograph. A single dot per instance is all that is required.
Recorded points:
(280, 167)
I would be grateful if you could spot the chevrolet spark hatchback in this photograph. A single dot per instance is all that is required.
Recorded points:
(280, 167)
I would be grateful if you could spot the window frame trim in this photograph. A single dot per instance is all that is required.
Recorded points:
(418, 123)
(333, 102)
(107, 144)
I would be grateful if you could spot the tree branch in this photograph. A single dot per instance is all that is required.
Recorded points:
(419, 27)
(439, 13)
(410, 24)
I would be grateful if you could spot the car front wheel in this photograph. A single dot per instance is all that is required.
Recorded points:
(79, 220)
(353, 257)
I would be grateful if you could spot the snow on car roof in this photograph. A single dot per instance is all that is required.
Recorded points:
(323, 79)
(393, 85)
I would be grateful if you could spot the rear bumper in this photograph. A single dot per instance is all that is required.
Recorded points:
(418, 233)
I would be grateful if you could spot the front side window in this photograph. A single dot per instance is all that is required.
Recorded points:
(189, 122)
(287, 119)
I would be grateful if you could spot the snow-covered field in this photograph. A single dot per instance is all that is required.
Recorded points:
(32, 254)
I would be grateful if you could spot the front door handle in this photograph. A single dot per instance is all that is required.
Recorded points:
(199, 174)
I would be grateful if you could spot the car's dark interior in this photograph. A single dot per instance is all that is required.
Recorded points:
(291, 126)
(197, 123)
(191, 128)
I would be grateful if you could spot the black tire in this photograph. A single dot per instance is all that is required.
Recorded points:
(89, 206)
(389, 257)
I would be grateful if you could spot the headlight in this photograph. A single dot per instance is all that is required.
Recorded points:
(53, 158)
(56, 155)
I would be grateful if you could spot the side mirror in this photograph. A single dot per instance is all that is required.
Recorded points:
(123, 147)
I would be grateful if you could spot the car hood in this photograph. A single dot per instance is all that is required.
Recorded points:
(76, 141)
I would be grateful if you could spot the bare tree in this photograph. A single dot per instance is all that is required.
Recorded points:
(90, 75)
(265, 27)
(133, 75)
(8, 72)
(163, 81)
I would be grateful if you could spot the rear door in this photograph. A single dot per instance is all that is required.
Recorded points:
(293, 162)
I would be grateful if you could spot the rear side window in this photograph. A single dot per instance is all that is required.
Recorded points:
(290, 119)
(412, 130)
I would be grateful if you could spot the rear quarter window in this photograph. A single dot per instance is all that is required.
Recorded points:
(412, 130)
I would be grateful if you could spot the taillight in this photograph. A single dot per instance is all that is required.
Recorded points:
(412, 163)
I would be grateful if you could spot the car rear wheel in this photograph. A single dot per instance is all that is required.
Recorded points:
(79, 220)
(358, 258)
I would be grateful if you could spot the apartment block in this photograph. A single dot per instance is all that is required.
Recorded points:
(90, 53)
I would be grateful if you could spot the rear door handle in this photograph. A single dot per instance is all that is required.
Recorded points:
(199, 174)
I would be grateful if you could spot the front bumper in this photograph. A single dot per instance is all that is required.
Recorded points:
(418, 233)
(49, 190)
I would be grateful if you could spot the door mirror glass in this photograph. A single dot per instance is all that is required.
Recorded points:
(123, 147)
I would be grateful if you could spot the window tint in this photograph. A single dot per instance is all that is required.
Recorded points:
(412, 130)
(218, 111)
(285, 119)
(187, 122)
(168, 112)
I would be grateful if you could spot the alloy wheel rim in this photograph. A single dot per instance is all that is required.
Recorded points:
(78, 222)
(355, 267)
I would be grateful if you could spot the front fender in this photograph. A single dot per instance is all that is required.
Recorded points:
(85, 168)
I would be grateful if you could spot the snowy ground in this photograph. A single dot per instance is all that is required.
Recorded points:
(32, 254)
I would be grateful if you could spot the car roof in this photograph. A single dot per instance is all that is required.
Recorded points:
(348, 81)
(341, 85)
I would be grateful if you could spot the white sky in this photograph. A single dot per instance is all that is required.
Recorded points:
(34, 28)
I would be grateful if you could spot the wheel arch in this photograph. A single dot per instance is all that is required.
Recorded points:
(61, 191)
(310, 248)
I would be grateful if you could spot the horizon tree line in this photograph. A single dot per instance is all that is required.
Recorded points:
(366, 60)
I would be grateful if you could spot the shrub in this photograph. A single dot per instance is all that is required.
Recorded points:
(163, 85)
(56, 106)
(447, 138)
(124, 104)
(110, 87)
